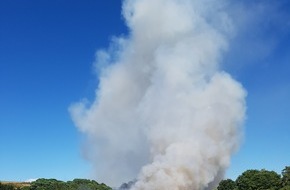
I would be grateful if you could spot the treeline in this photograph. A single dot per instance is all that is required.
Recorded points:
(258, 180)
(53, 184)
(7, 187)
(248, 180)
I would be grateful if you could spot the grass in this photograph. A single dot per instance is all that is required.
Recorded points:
(16, 184)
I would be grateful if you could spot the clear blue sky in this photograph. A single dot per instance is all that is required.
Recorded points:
(47, 49)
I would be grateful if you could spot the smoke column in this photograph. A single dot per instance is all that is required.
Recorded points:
(165, 113)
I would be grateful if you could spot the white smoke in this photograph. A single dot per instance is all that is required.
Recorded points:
(164, 109)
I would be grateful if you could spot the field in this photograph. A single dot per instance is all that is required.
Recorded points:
(16, 184)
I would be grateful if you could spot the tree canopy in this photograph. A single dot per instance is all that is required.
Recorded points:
(227, 184)
(286, 176)
(258, 180)
(248, 180)
(54, 184)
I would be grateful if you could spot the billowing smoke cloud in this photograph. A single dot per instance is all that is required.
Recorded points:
(165, 113)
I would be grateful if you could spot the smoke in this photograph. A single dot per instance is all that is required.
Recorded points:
(165, 113)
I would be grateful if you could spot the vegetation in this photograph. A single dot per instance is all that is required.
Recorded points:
(53, 184)
(6, 187)
(227, 184)
(248, 180)
(258, 180)
(286, 176)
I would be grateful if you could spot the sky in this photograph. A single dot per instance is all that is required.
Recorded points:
(47, 51)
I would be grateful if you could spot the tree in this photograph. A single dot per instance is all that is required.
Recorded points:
(48, 184)
(285, 187)
(258, 179)
(81, 184)
(53, 184)
(25, 188)
(6, 187)
(286, 176)
(227, 184)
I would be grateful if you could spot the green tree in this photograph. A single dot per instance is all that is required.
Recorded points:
(285, 187)
(25, 188)
(286, 176)
(48, 184)
(227, 184)
(6, 187)
(53, 184)
(258, 180)
(85, 184)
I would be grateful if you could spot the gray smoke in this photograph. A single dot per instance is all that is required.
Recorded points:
(164, 113)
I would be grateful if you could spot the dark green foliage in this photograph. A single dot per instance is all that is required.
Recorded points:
(25, 188)
(249, 180)
(6, 187)
(258, 179)
(47, 184)
(285, 187)
(227, 184)
(76, 184)
(85, 184)
(286, 176)
(53, 184)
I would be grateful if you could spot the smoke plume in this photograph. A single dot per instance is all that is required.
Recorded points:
(165, 112)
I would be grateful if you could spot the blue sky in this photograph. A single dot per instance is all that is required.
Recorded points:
(47, 50)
